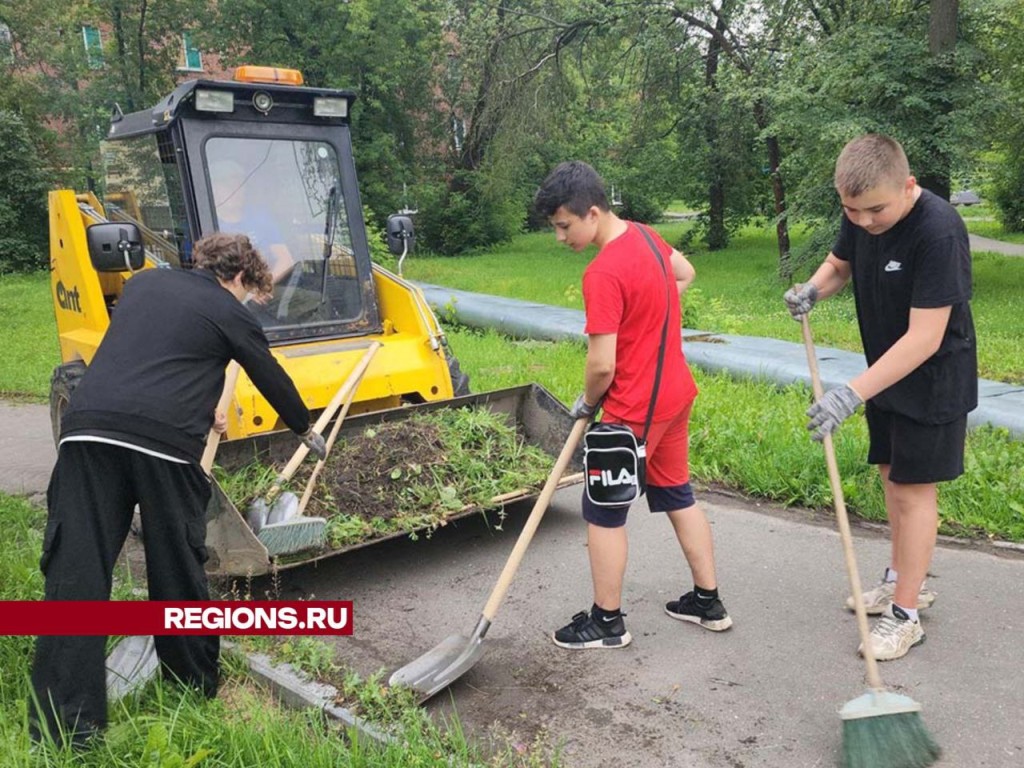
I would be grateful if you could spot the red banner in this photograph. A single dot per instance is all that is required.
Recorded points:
(152, 617)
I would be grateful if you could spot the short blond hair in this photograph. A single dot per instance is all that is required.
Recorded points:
(868, 162)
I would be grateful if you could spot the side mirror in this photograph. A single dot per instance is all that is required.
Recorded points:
(401, 237)
(115, 246)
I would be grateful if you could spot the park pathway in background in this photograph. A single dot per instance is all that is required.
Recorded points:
(979, 243)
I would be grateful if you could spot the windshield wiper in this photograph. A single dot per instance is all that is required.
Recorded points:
(331, 218)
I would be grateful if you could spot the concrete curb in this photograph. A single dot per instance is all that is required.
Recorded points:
(294, 691)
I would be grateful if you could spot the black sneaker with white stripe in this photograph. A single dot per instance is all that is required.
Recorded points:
(587, 630)
(709, 614)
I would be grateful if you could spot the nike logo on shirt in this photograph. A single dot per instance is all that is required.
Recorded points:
(893, 266)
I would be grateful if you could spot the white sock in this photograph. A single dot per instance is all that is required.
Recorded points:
(890, 575)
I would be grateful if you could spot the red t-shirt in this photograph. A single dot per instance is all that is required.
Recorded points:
(625, 291)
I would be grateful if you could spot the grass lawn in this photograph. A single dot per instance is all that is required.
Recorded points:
(736, 291)
(30, 349)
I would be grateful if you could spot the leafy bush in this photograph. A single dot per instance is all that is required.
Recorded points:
(1008, 192)
(23, 219)
(466, 214)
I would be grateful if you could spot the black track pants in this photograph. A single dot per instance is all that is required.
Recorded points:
(91, 498)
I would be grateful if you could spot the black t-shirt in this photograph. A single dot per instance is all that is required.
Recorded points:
(923, 262)
(156, 377)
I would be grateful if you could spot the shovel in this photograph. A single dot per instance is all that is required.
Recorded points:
(133, 662)
(271, 510)
(443, 665)
(358, 374)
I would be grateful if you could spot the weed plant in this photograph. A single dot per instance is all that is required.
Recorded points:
(408, 475)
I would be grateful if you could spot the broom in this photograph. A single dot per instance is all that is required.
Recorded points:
(881, 729)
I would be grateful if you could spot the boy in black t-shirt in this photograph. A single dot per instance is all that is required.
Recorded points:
(907, 252)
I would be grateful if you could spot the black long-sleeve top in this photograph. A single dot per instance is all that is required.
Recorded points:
(158, 373)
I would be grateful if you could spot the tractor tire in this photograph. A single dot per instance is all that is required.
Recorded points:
(460, 380)
(62, 384)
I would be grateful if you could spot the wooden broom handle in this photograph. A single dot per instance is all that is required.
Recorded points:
(335, 430)
(325, 419)
(226, 396)
(874, 678)
(539, 508)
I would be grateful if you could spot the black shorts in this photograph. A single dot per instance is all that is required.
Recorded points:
(916, 452)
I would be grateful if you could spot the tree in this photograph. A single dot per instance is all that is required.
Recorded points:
(388, 51)
(23, 221)
(128, 59)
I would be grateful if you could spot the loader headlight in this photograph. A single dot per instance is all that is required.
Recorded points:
(262, 101)
(324, 106)
(214, 101)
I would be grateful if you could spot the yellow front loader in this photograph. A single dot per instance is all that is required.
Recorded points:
(263, 155)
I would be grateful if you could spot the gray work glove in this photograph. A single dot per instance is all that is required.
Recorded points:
(832, 410)
(800, 299)
(581, 409)
(315, 442)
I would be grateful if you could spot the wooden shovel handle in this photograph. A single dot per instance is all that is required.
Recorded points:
(325, 419)
(335, 430)
(539, 508)
(226, 396)
(874, 677)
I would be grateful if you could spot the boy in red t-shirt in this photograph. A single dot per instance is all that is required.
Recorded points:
(627, 293)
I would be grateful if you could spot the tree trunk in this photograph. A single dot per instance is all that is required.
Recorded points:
(942, 26)
(778, 191)
(717, 236)
(942, 31)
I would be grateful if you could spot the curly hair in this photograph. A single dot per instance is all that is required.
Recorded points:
(227, 254)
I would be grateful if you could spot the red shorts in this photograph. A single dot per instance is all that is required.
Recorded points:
(668, 472)
(668, 448)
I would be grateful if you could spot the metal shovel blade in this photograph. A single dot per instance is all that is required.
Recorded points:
(441, 666)
(131, 664)
(285, 507)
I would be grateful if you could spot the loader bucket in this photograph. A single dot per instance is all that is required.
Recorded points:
(236, 552)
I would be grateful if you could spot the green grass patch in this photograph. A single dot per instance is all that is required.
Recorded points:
(751, 435)
(995, 230)
(30, 348)
(736, 291)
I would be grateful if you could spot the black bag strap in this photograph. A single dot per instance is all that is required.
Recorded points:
(664, 328)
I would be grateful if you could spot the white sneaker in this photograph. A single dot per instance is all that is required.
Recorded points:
(878, 599)
(893, 635)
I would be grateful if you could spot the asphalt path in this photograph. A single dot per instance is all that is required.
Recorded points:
(979, 243)
(765, 693)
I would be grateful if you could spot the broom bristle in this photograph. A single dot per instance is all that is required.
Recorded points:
(885, 730)
(293, 535)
